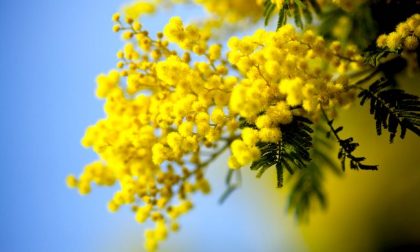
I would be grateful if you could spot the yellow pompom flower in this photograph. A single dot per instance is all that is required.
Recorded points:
(411, 42)
(138, 8)
(215, 52)
(405, 36)
(381, 40)
(116, 17)
(250, 136)
(71, 181)
(393, 40)
(270, 135)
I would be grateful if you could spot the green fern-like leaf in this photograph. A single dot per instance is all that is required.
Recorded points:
(374, 55)
(300, 10)
(231, 186)
(307, 189)
(268, 11)
(392, 108)
(291, 153)
(347, 147)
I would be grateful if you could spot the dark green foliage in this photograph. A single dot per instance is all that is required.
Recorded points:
(373, 56)
(300, 10)
(392, 108)
(347, 147)
(377, 57)
(291, 153)
(388, 69)
(362, 27)
(306, 152)
(269, 7)
(307, 189)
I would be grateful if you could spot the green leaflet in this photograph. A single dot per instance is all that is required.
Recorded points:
(291, 153)
(300, 10)
(347, 147)
(392, 108)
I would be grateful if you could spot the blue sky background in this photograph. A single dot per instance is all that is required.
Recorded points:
(51, 52)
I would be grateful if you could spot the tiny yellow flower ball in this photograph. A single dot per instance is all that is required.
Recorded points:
(272, 135)
(263, 121)
(186, 57)
(186, 206)
(218, 116)
(204, 186)
(120, 64)
(161, 232)
(394, 40)
(272, 67)
(116, 28)
(381, 41)
(84, 188)
(127, 35)
(233, 163)
(175, 226)
(71, 181)
(413, 21)
(151, 245)
(141, 215)
(403, 29)
(411, 42)
(215, 52)
(200, 50)
(129, 20)
(113, 207)
(124, 73)
(417, 31)
(136, 26)
(250, 136)
(116, 17)
(222, 69)
(186, 129)
(120, 54)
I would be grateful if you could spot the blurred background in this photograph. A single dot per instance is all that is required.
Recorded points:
(51, 52)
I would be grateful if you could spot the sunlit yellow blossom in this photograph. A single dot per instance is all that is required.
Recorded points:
(233, 10)
(138, 8)
(178, 95)
(405, 36)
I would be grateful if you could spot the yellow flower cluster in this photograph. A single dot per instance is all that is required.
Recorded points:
(229, 10)
(139, 8)
(95, 172)
(162, 111)
(233, 10)
(283, 70)
(167, 108)
(406, 36)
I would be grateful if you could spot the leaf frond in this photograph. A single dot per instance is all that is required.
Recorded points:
(392, 108)
(291, 153)
(301, 10)
(230, 185)
(347, 147)
(307, 189)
